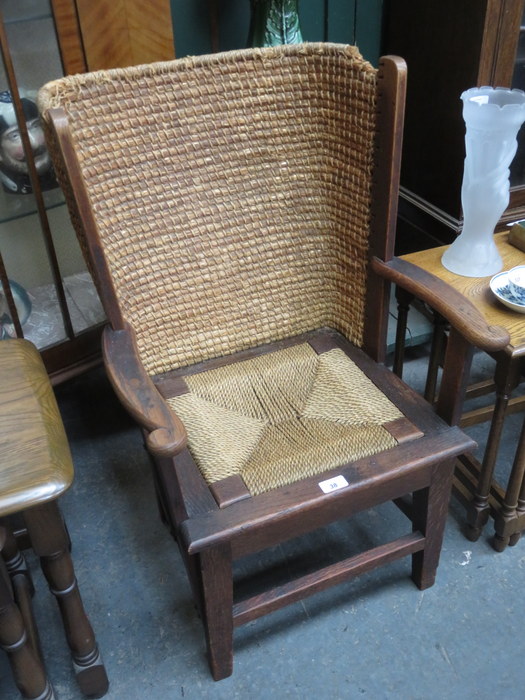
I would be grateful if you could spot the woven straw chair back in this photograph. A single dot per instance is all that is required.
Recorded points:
(231, 194)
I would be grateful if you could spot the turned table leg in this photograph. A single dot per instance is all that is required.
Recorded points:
(437, 351)
(507, 524)
(26, 664)
(506, 379)
(22, 583)
(404, 299)
(50, 542)
(520, 516)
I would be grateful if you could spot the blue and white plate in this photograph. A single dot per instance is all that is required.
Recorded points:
(500, 286)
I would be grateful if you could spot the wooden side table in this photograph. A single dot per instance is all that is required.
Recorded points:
(474, 481)
(35, 469)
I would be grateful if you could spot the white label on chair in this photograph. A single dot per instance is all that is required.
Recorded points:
(338, 482)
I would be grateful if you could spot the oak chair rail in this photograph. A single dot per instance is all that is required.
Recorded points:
(138, 394)
(449, 303)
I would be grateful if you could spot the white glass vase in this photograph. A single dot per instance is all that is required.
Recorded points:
(493, 117)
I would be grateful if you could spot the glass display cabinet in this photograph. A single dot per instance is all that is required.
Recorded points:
(517, 171)
(449, 46)
(47, 294)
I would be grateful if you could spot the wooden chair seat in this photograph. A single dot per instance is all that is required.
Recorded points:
(35, 464)
(286, 414)
(35, 470)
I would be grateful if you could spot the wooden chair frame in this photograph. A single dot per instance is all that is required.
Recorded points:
(211, 537)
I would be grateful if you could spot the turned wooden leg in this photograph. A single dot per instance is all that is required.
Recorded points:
(506, 379)
(520, 514)
(478, 510)
(507, 521)
(217, 589)
(22, 584)
(27, 667)
(430, 507)
(437, 351)
(13, 557)
(404, 299)
(51, 543)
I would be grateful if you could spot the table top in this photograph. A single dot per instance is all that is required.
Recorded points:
(35, 461)
(477, 289)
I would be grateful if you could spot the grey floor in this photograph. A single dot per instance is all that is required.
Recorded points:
(375, 637)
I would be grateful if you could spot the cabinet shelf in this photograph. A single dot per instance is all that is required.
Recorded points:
(13, 206)
(29, 18)
(40, 258)
(45, 327)
(14, 11)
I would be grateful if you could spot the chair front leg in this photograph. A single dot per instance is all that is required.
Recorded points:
(430, 507)
(217, 608)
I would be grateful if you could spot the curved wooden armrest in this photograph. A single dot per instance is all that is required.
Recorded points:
(448, 302)
(138, 394)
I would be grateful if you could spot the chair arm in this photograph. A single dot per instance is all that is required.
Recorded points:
(139, 396)
(451, 304)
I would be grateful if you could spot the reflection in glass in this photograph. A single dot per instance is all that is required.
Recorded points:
(14, 170)
(517, 169)
(23, 307)
(39, 247)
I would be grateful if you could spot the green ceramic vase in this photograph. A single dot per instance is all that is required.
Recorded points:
(274, 22)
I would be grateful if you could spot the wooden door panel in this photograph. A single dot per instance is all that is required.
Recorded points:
(69, 37)
(150, 30)
(120, 33)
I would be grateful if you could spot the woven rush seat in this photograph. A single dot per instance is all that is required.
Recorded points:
(284, 416)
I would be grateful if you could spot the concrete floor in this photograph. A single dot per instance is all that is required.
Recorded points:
(375, 637)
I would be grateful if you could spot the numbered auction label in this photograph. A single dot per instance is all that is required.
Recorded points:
(337, 482)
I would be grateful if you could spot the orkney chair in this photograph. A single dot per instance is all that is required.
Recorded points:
(237, 212)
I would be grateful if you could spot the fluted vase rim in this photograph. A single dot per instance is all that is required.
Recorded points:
(487, 90)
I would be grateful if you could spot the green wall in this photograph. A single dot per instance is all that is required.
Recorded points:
(346, 21)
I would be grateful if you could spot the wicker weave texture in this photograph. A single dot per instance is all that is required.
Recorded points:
(283, 416)
(231, 193)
